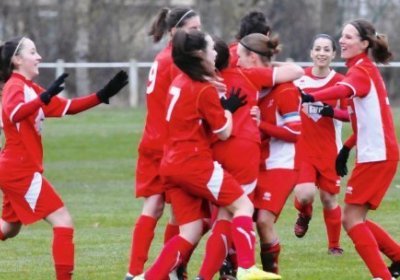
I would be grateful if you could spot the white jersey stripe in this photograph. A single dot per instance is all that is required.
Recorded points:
(215, 183)
(33, 192)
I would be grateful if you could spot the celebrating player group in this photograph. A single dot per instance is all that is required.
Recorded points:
(230, 133)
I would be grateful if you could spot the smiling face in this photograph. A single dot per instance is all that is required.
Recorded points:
(351, 43)
(27, 59)
(322, 52)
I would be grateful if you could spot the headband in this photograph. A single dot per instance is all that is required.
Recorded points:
(17, 48)
(253, 50)
(183, 17)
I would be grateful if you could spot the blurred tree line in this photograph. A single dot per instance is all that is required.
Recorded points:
(116, 30)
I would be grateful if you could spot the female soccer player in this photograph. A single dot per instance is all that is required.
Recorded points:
(240, 154)
(148, 183)
(377, 147)
(318, 145)
(27, 195)
(252, 22)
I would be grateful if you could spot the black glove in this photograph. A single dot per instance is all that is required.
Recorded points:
(113, 87)
(326, 111)
(341, 161)
(234, 101)
(54, 89)
(305, 98)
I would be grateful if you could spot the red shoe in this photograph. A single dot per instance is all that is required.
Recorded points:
(301, 225)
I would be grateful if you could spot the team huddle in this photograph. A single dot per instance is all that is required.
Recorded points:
(229, 135)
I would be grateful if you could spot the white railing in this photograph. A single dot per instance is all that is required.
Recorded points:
(133, 67)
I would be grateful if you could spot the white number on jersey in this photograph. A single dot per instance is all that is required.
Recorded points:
(152, 78)
(175, 92)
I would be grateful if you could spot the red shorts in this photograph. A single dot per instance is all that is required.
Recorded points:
(273, 188)
(206, 179)
(186, 207)
(148, 181)
(28, 198)
(321, 172)
(369, 182)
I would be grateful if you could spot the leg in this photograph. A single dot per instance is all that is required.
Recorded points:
(9, 229)
(63, 246)
(304, 198)
(143, 232)
(217, 245)
(333, 218)
(364, 241)
(175, 250)
(269, 241)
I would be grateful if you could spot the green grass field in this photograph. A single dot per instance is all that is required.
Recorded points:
(90, 159)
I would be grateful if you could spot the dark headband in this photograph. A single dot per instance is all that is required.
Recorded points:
(253, 50)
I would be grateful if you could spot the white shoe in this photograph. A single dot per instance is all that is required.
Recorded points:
(254, 273)
(173, 275)
(139, 277)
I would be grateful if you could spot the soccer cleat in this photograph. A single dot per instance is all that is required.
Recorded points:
(394, 269)
(335, 251)
(301, 225)
(181, 272)
(254, 273)
(139, 277)
(199, 278)
(128, 276)
(226, 272)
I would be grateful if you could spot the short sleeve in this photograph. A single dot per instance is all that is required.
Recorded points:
(289, 105)
(261, 76)
(210, 109)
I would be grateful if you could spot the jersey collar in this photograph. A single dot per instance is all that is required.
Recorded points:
(356, 59)
(21, 77)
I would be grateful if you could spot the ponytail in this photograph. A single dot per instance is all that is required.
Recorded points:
(159, 25)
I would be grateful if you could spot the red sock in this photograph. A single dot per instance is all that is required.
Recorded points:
(2, 237)
(243, 237)
(170, 231)
(63, 252)
(270, 256)
(386, 243)
(142, 236)
(174, 251)
(216, 249)
(333, 223)
(367, 248)
(305, 209)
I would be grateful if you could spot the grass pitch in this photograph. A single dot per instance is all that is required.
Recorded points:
(91, 158)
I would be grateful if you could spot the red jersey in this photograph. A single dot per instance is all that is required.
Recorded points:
(233, 57)
(23, 146)
(251, 81)
(161, 74)
(370, 112)
(193, 109)
(281, 108)
(320, 136)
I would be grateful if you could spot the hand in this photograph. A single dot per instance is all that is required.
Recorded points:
(327, 111)
(305, 97)
(341, 161)
(113, 87)
(234, 101)
(54, 89)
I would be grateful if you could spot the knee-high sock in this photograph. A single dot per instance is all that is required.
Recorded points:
(367, 248)
(386, 243)
(63, 252)
(305, 209)
(174, 251)
(170, 231)
(243, 237)
(142, 236)
(333, 223)
(216, 249)
(270, 255)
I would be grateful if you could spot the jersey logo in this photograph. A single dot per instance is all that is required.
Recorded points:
(349, 190)
(312, 110)
(267, 196)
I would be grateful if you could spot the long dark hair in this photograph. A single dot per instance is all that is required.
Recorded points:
(188, 53)
(253, 22)
(222, 49)
(166, 19)
(378, 43)
(8, 50)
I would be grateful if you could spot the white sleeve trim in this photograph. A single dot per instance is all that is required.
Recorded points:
(66, 108)
(222, 128)
(348, 85)
(15, 111)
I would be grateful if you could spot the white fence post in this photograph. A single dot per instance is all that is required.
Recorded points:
(133, 83)
(59, 70)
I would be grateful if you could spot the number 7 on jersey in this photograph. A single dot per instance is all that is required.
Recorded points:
(175, 92)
